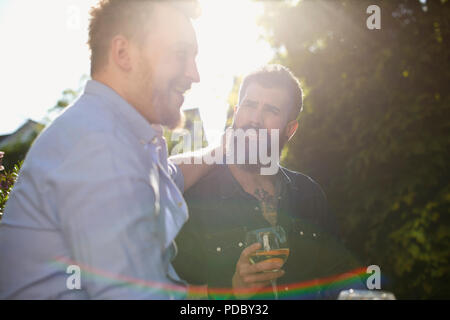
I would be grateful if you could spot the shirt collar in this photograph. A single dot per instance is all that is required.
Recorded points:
(284, 176)
(140, 127)
(229, 186)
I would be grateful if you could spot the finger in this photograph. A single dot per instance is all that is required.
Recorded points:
(272, 265)
(262, 277)
(267, 265)
(247, 252)
(245, 269)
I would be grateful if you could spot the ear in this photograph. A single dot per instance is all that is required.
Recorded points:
(121, 52)
(291, 128)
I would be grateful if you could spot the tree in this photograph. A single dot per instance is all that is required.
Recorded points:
(7, 180)
(375, 128)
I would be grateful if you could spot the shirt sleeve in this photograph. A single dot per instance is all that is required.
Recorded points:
(107, 213)
(176, 174)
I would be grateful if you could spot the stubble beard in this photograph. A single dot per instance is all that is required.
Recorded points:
(256, 168)
(156, 105)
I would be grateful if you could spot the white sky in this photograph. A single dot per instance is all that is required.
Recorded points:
(44, 51)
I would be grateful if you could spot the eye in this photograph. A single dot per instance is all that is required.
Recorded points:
(274, 111)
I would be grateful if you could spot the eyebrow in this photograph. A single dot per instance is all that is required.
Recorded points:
(253, 102)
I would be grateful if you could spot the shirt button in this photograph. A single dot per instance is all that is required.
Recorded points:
(314, 235)
(240, 244)
(180, 204)
(301, 233)
(219, 249)
(256, 208)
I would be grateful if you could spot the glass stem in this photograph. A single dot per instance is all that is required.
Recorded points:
(274, 288)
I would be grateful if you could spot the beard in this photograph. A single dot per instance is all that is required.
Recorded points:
(167, 108)
(251, 149)
(159, 103)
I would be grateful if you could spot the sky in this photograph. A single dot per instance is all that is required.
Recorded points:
(44, 52)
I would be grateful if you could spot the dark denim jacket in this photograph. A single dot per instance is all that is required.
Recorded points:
(220, 214)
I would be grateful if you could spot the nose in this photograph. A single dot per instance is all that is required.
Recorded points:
(192, 72)
(256, 119)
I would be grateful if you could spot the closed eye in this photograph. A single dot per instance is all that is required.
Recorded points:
(249, 103)
(272, 109)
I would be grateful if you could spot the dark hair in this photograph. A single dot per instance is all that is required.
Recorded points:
(277, 76)
(127, 17)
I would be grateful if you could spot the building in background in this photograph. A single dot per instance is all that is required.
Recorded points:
(189, 137)
(28, 131)
(16, 144)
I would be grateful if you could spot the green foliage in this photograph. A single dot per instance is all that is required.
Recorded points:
(69, 96)
(375, 128)
(16, 152)
(7, 180)
(177, 136)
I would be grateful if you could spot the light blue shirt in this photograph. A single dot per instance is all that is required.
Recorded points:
(95, 191)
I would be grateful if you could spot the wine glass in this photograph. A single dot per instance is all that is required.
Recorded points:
(273, 247)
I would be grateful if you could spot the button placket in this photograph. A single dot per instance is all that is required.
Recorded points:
(154, 175)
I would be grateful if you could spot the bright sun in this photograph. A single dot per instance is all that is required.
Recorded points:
(229, 46)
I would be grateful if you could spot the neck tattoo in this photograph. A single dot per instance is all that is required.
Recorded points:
(268, 204)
